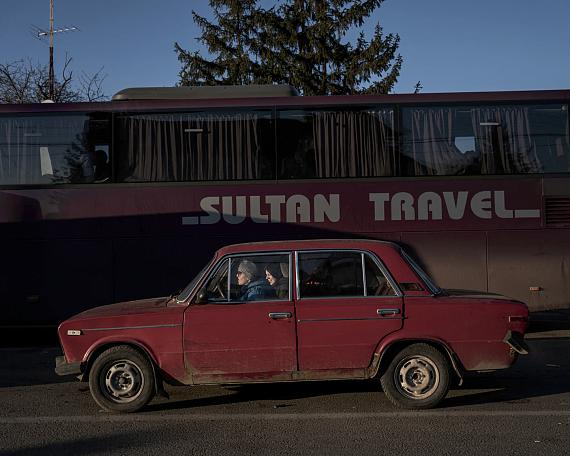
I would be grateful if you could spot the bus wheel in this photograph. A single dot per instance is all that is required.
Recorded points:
(122, 380)
(417, 378)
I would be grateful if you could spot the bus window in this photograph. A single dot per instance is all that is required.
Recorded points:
(474, 140)
(49, 149)
(335, 144)
(196, 146)
(551, 131)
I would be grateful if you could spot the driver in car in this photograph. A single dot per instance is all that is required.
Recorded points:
(253, 287)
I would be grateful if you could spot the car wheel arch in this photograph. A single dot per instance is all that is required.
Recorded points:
(387, 351)
(95, 351)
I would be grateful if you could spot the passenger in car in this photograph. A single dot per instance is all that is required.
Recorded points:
(280, 283)
(253, 288)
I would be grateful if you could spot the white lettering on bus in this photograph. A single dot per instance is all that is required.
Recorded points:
(483, 204)
(455, 207)
(298, 209)
(429, 202)
(403, 202)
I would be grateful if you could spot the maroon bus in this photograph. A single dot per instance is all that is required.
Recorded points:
(105, 202)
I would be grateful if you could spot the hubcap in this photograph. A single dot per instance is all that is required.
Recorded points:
(416, 377)
(124, 381)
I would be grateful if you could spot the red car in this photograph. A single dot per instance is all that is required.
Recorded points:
(295, 311)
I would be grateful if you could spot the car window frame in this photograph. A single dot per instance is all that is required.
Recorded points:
(229, 258)
(372, 255)
(424, 277)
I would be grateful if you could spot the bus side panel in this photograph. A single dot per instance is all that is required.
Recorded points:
(455, 259)
(46, 281)
(521, 260)
(149, 267)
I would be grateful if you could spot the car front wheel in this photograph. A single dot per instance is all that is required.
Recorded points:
(417, 377)
(122, 380)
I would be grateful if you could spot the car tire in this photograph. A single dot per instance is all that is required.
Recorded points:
(417, 377)
(122, 380)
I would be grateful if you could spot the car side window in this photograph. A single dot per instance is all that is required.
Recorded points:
(259, 277)
(376, 282)
(330, 274)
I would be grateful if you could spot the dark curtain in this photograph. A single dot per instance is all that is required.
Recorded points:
(354, 144)
(186, 147)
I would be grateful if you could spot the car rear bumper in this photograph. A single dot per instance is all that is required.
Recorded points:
(516, 341)
(62, 367)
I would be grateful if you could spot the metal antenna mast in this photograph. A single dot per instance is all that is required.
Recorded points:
(43, 33)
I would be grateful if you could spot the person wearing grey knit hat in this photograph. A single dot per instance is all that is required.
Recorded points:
(252, 287)
(247, 271)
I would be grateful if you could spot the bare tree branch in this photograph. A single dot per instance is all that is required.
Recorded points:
(92, 85)
(25, 82)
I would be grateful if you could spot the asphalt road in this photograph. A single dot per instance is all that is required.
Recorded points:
(524, 410)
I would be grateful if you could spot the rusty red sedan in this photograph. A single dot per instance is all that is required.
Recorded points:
(296, 311)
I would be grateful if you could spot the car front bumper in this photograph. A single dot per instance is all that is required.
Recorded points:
(62, 367)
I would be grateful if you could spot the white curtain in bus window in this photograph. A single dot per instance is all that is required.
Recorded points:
(549, 138)
(192, 147)
(430, 144)
(471, 140)
(354, 143)
(505, 142)
(43, 150)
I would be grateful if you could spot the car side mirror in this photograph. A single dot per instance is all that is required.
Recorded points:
(202, 297)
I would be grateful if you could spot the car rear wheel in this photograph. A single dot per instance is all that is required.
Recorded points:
(417, 377)
(122, 380)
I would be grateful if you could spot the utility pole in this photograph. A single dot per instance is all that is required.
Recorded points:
(51, 74)
(50, 33)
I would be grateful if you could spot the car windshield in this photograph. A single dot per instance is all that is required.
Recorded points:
(183, 296)
(423, 275)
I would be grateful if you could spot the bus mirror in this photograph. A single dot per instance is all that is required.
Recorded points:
(202, 297)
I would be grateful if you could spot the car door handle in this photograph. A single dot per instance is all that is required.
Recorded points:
(280, 315)
(383, 312)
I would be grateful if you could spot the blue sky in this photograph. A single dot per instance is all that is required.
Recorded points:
(449, 45)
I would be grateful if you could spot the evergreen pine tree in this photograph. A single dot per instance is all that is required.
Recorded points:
(228, 40)
(299, 42)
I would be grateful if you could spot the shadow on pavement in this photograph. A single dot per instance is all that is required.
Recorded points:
(542, 373)
(29, 366)
(273, 392)
(116, 443)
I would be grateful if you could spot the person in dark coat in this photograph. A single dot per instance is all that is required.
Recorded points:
(253, 288)
(277, 280)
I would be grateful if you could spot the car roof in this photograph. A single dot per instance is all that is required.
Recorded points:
(306, 244)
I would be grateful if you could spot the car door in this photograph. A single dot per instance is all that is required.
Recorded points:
(346, 303)
(242, 330)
